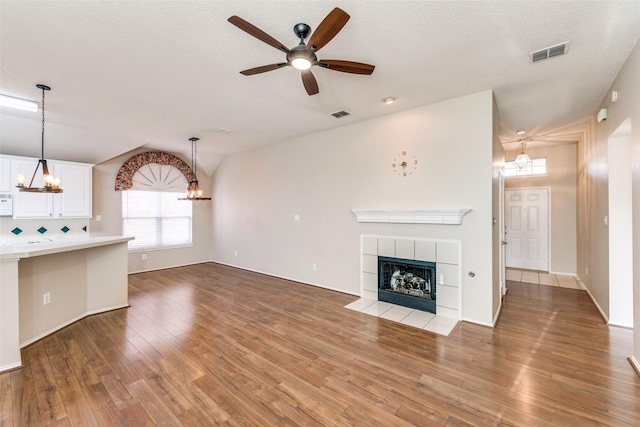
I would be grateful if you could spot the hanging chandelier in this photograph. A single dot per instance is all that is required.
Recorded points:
(522, 160)
(50, 183)
(193, 190)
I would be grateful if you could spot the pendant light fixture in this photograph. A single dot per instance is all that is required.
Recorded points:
(50, 184)
(193, 190)
(522, 160)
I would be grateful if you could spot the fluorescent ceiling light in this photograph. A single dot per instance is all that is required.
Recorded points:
(19, 104)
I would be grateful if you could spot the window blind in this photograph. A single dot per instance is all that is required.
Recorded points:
(157, 219)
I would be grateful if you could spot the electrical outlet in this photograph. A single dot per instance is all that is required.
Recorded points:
(314, 267)
(296, 217)
(98, 218)
(235, 253)
(46, 298)
(144, 257)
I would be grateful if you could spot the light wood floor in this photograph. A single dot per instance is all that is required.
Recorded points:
(212, 345)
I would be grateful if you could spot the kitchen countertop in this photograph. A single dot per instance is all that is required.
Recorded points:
(48, 247)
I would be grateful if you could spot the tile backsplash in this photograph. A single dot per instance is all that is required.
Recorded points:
(14, 231)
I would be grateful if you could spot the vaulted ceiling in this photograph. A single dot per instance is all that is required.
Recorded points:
(130, 74)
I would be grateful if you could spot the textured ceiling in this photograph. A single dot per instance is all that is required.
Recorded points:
(154, 73)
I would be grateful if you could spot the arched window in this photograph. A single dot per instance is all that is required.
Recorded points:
(151, 211)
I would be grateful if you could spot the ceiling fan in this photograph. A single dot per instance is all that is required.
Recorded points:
(303, 56)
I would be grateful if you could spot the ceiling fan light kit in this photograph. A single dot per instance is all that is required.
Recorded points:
(50, 183)
(303, 56)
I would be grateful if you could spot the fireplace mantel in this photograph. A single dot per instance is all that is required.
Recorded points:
(419, 216)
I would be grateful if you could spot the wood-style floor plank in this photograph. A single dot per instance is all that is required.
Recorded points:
(214, 345)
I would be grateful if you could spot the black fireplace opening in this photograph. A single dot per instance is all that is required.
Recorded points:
(407, 282)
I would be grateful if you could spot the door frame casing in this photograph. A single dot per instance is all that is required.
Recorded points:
(549, 210)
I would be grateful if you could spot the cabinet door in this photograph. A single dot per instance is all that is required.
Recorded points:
(75, 200)
(30, 205)
(5, 176)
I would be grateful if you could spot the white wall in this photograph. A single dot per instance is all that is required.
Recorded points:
(562, 181)
(321, 177)
(593, 234)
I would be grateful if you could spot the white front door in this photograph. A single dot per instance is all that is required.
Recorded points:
(527, 228)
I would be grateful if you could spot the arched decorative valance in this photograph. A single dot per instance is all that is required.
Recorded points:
(124, 179)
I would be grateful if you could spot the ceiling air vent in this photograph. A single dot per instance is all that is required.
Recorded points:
(549, 52)
(340, 114)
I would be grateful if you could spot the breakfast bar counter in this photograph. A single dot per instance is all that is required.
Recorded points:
(47, 285)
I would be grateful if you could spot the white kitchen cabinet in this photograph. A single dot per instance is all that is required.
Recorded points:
(5, 175)
(73, 202)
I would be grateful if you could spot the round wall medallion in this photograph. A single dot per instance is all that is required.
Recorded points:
(404, 163)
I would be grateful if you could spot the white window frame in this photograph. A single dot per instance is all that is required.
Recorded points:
(160, 186)
(536, 167)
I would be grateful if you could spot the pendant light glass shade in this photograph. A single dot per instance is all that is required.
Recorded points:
(50, 183)
(193, 190)
(522, 160)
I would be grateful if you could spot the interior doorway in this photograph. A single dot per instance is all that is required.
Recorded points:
(527, 228)
(620, 223)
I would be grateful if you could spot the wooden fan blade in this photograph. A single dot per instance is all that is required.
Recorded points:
(257, 33)
(347, 66)
(263, 69)
(309, 82)
(328, 28)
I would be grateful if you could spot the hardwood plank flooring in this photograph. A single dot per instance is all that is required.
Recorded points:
(212, 345)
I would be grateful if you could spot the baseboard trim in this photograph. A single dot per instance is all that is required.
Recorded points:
(287, 278)
(477, 322)
(562, 273)
(620, 326)
(69, 322)
(168, 267)
(10, 367)
(498, 313)
(634, 364)
(604, 316)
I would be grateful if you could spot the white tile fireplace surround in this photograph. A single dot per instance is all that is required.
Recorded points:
(445, 253)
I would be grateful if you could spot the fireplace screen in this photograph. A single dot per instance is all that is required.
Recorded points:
(407, 282)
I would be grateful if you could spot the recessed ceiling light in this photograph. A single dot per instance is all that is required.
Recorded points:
(389, 99)
(521, 132)
(18, 104)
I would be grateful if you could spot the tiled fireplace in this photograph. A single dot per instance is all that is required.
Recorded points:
(424, 273)
(407, 282)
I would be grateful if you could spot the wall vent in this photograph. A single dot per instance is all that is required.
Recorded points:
(340, 114)
(549, 52)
